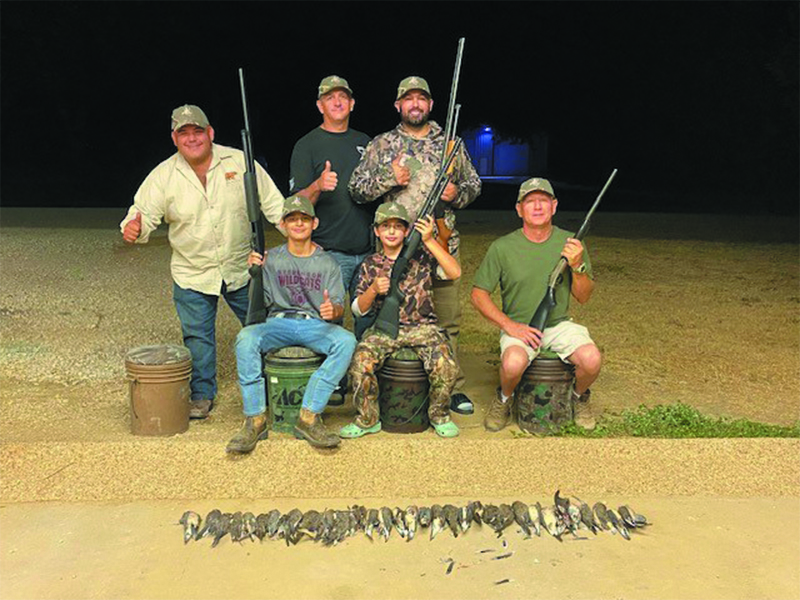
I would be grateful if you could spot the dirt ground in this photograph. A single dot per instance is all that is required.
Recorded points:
(700, 314)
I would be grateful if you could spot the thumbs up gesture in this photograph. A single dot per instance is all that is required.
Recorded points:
(328, 180)
(132, 229)
(327, 310)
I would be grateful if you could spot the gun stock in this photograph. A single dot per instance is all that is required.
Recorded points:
(548, 303)
(256, 309)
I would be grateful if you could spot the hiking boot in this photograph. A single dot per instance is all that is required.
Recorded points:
(583, 411)
(199, 409)
(316, 434)
(248, 436)
(497, 416)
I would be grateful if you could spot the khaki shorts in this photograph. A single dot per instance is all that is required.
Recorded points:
(563, 339)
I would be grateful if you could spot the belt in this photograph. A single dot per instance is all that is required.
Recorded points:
(292, 315)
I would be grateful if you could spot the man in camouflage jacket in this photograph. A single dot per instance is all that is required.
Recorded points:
(401, 166)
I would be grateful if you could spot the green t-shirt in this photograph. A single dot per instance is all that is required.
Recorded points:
(523, 268)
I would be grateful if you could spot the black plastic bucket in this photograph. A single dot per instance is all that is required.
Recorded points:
(543, 398)
(403, 396)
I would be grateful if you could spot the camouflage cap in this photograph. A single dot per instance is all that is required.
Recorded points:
(391, 210)
(188, 114)
(332, 82)
(412, 83)
(535, 184)
(299, 204)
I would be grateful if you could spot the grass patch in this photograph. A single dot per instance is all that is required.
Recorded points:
(677, 421)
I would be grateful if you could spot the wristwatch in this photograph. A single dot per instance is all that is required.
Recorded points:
(581, 268)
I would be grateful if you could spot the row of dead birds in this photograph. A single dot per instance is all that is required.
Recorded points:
(330, 527)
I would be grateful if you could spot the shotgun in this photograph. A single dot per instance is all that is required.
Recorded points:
(388, 319)
(256, 309)
(539, 320)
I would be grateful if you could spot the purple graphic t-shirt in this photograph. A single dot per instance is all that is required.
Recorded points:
(298, 283)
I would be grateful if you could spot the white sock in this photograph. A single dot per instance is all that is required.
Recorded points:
(503, 398)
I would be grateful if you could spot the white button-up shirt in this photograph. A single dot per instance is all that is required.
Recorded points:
(209, 229)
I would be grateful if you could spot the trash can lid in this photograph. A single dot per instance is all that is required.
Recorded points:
(293, 352)
(165, 354)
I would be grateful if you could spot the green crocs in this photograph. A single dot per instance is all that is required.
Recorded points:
(446, 430)
(353, 431)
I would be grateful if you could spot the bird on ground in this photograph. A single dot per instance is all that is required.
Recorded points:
(250, 525)
(411, 521)
(617, 524)
(372, 522)
(425, 516)
(450, 513)
(386, 520)
(601, 512)
(237, 527)
(438, 522)
(221, 527)
(261, 526)
(191, 525)
(399, 521)
(212, 518)
(587, 516)
(534, 512)
(309, 525)
(476, 510)
(631, 518)
(273, 522)
(522, 516)
(287, 525)
(553, 523)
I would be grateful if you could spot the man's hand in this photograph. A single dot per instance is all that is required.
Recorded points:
(132, 229)
(526, 333)
(381, 285)
(328, 180)
(450, 192)
(326, 309)
(254, 258)
(402, 174)
(573, 252)
(425, 228)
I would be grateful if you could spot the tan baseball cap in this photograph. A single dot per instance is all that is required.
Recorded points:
(391, 210)
(333, 82)
(412, 82)
(188, 114)
(299, 204)
(535, 184)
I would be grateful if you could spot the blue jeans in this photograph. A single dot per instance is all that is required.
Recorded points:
(319, 336)
(350, 265)
(198, 315)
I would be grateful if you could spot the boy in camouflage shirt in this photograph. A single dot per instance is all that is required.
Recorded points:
(419, 329)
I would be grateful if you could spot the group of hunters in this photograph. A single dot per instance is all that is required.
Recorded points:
(332, 229)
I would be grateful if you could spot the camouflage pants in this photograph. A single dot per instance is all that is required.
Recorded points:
(434, 351)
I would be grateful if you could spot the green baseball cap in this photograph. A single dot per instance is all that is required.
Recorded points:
(188, 114)
(412, 82)
(391, 210)
(332, 82)
(535, 184)
(299, 204)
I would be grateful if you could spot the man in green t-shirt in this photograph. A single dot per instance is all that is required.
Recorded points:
(521, 263)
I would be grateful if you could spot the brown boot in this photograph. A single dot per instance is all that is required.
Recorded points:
(316, 433)
(583, 411)
(253, 430)
(497, 416)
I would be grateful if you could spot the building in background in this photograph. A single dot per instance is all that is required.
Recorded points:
(498, 156)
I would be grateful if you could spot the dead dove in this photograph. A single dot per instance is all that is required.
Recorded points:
(191, 525)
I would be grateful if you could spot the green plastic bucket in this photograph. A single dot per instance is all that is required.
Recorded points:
(286, 372)
(403, 393)
(543, 398)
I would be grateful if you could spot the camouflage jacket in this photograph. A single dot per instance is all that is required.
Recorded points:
(373, 178)
(416, 287)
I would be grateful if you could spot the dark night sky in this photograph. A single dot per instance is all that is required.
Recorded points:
(696, 103)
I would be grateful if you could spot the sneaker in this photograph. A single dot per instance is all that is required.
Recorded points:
(248, 436)
(582, 411)
(448, 429)
(199, 409)
(316, 434)
(461, 404)
(353, 431)
(497, 416)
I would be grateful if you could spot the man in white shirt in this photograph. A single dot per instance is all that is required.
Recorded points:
(199, 193)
